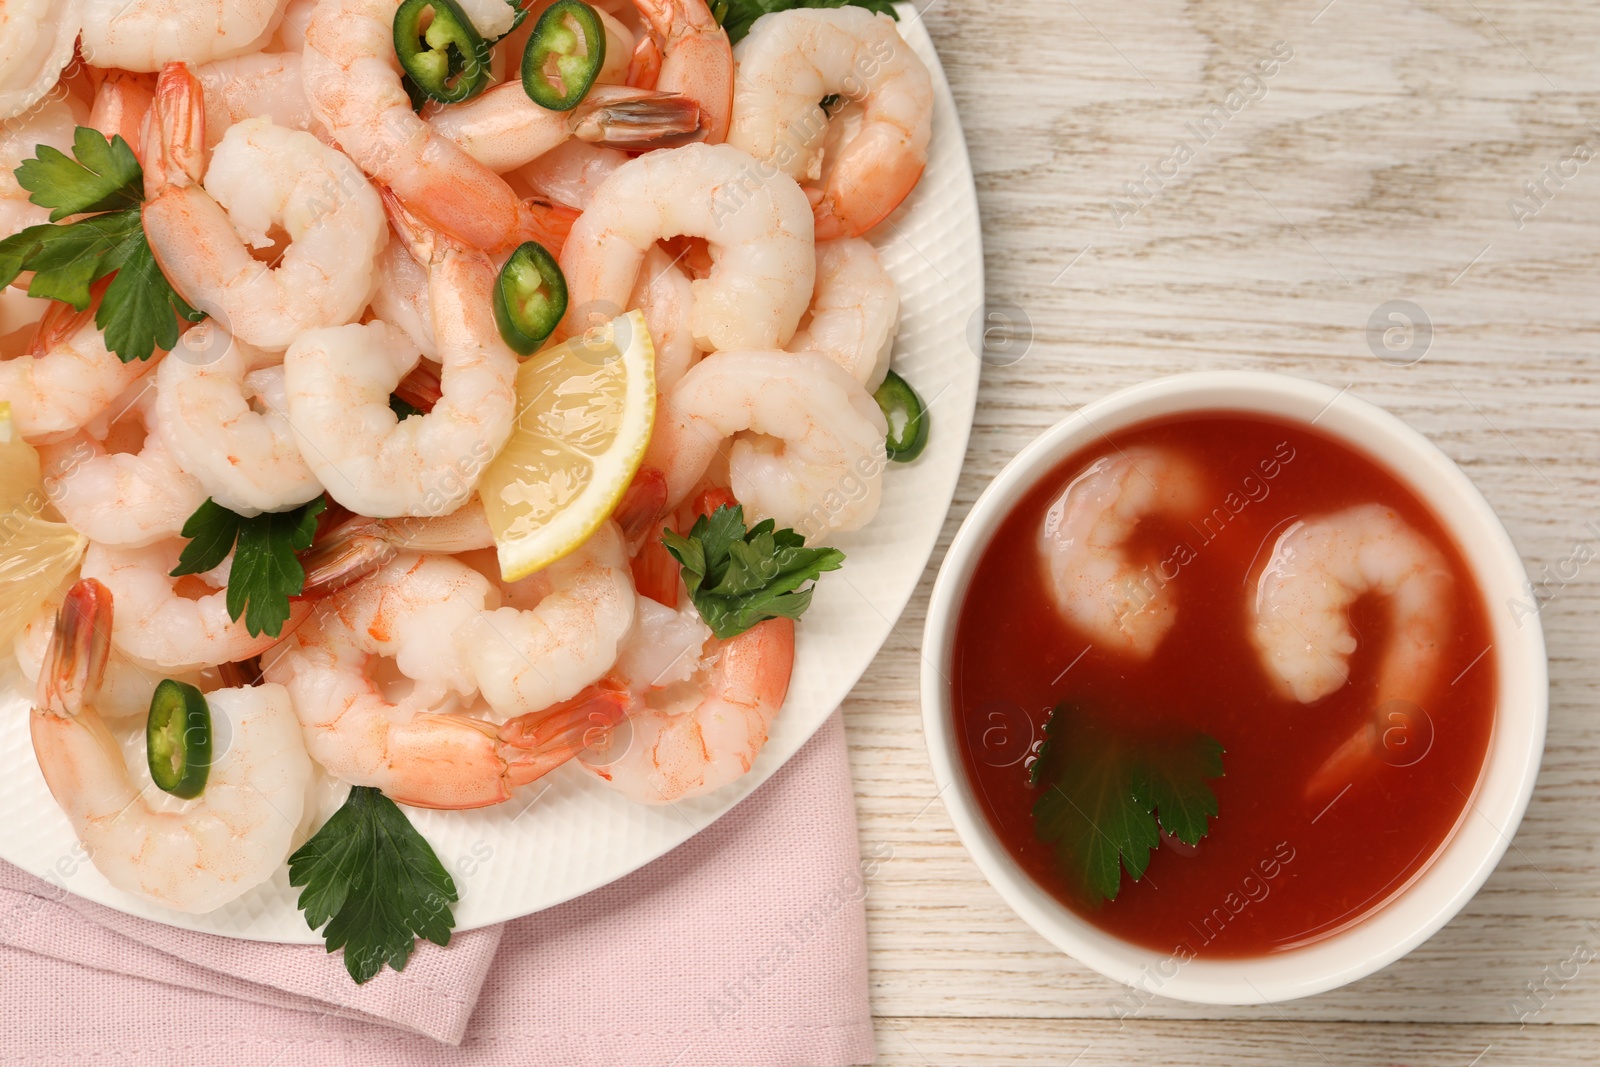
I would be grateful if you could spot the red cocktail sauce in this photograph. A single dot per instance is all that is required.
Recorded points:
(1275, 871)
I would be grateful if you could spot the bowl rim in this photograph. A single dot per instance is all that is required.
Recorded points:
(1483, 833)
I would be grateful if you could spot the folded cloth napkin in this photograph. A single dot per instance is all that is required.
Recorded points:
(747, 945)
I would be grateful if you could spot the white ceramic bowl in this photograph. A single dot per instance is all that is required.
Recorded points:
(1511, 763)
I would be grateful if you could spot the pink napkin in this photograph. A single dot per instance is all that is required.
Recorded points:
(747, 945)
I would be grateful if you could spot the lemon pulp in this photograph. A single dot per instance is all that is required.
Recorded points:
(37, 555)
(585, 411)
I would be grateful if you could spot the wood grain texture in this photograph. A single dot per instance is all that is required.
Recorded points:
(1386, 160)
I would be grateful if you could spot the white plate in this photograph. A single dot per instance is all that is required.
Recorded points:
(578, 835)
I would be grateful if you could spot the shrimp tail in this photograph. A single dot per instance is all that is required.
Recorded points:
(665, 120)
(350, 553)
(537, 220)
(1350, 760)
(175, 132)
(121, 102)
(420, 239)
(655, 570)
(643, 502)
(421, 388)
(61, 320)
(546, 222)
(695, 52)
(644, 66)
(535, 744)
(712, 499)
(843, 212)
(76, 661)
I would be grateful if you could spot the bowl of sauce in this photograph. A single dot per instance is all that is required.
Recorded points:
(1232, 687)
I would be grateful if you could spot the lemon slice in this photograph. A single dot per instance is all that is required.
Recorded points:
(585, 411)
(37, 556)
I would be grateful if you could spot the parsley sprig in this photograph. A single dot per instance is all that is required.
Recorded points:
(738, 577)
(140, 309)
(376, 882)
(1106, 798)
(737, 15)
(265, 572)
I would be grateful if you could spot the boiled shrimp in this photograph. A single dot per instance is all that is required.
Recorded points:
(129, 497)
(793, 59)
(401, 297)
(120, 105)
(415, 609)
(420, 745)
(145, 35)
(855, 311)
(695, 58)
(36, 41)
(621, 43)
(570, 173)
(525, 659)
(699, 708)
(291, 35)
(19, 319)
(340, 380)
(51, 122)
(759, 232)
(258, 85)
(561, 624)
(361, 546)
(169, 625)
(665, 295)
(504, 129)
(1300, 617)
(194, 856)
(205, 404)
(127, 685)
(353, 81)
(65, 376)
(260, 176)
(814, 455)
(1097, 585)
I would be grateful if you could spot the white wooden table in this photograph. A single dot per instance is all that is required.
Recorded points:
(1386, 160)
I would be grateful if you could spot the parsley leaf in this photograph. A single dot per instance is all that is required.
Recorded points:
(105, 176)
(140, 310)
(67, 260)
(211, 531)
(265, 572)
(376, 883)
(137, 312)
(1103, 795)
(19, 248)
(737, 15)
(738, 578)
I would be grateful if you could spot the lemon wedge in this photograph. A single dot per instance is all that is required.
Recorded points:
(37, 556)
(585, 410)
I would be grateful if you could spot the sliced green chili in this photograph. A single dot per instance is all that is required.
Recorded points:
(908, 419)
(446, 57)
(177, 738)
(565, 53)
(530, 296)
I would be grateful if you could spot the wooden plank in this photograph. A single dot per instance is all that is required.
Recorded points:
(922, 1042)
